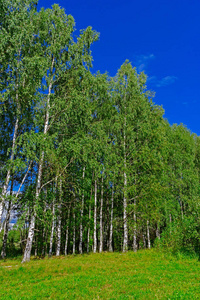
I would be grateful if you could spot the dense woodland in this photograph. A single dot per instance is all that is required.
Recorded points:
(87, 161)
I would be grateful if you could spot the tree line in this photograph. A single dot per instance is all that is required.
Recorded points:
(88, 163)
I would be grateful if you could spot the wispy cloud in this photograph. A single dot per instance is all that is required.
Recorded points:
(141, 61)
(167, 80)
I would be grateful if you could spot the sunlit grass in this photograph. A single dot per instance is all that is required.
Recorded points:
(143, 275)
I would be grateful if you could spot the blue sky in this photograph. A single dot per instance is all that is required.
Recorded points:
(159, 37)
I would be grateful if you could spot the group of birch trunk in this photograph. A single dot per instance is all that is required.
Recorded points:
(88, 163)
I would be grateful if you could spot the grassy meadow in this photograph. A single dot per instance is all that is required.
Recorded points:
(147, 274)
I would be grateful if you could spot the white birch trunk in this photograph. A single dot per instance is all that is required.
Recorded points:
(111, 221)
(95, 217)
(144, 241)
(52, 229)
(59, 223)
(74, 234)
(88, 233)
(135, 229)
(67, 232)
(44, 230)
(101, 219)
(58, 232)
(107, 223)
(5, 186)
(158, 231)
(125, 242)
(148, 236)
(6, 226)
(81, 220)
(27, 252)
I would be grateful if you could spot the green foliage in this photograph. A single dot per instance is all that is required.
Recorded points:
(59, 118)
(182, 236)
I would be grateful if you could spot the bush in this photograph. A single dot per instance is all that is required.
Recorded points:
(182, 236)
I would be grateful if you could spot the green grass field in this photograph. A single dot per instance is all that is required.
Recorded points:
(147, 274)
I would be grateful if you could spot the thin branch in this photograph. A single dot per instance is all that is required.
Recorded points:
(55, 178)
(24, 179)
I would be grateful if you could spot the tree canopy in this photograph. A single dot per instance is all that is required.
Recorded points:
(88, 163)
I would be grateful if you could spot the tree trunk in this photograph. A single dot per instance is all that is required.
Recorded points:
(59, 222)
(125, 242)
(74, 233)
(111, 221)
(95, 217)
(58, 231)
(101, 219)
(52, 229)
(27, 252)
(107, 221)
(6, 226)
(148, 236)
(5, 186)
(81, 220)
(67, 232)
(158, 231)
(44, 229)
(135, 229)
(144, 241)
(88, 233)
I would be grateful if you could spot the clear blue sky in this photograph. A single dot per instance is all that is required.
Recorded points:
(159, 37)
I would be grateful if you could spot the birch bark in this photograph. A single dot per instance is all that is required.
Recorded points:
(6, 226)
(44, 230)
(59, 221)
(74, 234)
(158, 231)
(5, 186)
(125, 242)
(81, 220)
(67, 232)
(88, 233)
(148, 236)
(52, 229)
(144, 240)
(27, 252)
(58, 231)
(134, 229)
(95, 217)
(101, 219)
(10, 206)
(111, 221)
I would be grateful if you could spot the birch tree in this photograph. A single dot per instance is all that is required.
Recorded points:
(19, 82)
(60, 54)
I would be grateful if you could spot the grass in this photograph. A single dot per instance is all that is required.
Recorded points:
(147, 274)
